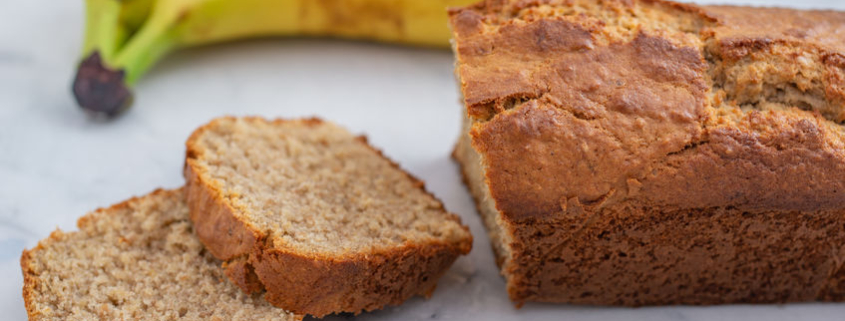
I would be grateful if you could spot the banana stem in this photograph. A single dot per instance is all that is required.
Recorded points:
(97, 87)
(104, 78)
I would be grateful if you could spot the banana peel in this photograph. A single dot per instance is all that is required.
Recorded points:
(124, 38)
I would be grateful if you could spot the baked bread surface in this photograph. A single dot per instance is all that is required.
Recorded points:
(650, 152)
(137, 260)
(314, 216)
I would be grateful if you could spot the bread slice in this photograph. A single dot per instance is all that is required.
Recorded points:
(640, 152)
(314, 216)
(137, 260)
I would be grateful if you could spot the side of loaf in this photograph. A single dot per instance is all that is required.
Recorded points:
(315, 217)
(650, 152)
(137, 260)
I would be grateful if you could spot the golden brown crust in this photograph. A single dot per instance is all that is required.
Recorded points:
(615, 152)
(609, 129)
(767, 25)
(242, 274)
(321, 286)
(834, 289)
(29, 282)
(312, 283)
(767, 162)
(637, 255)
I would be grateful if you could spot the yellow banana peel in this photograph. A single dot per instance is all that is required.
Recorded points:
(124, 38)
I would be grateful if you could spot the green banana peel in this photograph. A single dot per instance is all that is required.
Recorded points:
(124, 38)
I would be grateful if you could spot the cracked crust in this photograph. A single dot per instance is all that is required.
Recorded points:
(648, 152)
(312, 283)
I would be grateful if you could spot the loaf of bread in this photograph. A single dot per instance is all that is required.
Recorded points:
(137, 260)
(314, 216)
(649, 152)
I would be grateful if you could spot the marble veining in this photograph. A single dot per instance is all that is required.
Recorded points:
(56, 164)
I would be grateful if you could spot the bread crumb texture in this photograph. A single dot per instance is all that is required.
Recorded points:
(651, 152)
(138, 260)
(308, 192)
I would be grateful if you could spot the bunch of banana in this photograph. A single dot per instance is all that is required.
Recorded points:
(124, 38)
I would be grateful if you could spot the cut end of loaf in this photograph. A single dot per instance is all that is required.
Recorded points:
(499, 229)
(136, 260)
(306, 197)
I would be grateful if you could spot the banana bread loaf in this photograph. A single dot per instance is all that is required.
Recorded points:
(137, 260)
(649, 152)
(314, 216)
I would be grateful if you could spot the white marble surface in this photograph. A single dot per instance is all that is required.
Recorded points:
(56, 164)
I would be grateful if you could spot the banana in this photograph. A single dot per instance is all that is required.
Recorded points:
(124, 38)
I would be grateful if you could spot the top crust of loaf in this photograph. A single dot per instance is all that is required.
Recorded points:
(641, 97)
(100, 265)
(322, 279)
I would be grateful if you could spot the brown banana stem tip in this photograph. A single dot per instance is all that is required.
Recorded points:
(100, 90)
